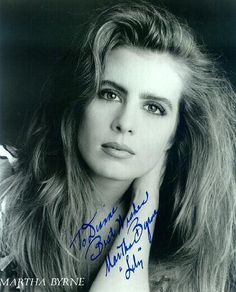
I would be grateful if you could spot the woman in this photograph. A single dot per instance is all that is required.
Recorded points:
(142, 131)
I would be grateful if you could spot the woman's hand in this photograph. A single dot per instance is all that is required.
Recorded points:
(150, 181)
(128, 259)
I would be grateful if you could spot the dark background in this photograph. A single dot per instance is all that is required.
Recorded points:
(34, 35)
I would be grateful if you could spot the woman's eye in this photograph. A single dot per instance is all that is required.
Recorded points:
(109, 95)
(155, 109)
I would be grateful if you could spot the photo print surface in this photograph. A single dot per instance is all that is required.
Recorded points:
(117, 146)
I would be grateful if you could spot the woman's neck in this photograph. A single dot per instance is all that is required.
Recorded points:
(110, 192)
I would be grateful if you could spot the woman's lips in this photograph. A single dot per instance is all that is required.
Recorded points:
(117, 150)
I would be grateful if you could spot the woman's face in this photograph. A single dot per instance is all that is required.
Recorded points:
(131, 121)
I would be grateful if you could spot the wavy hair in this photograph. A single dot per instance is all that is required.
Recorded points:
(49, 195)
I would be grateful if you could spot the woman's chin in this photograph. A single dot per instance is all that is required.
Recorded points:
(112, 172)
(114, 175)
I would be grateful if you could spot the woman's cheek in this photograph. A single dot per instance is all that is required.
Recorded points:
(153, 146)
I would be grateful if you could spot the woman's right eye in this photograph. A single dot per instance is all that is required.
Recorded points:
(109, 95)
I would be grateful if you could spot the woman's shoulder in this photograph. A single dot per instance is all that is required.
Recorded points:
(5, 255)
(7, 160)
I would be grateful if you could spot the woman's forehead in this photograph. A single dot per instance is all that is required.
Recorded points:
(144, 70)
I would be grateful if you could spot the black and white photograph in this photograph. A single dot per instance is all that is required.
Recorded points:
(117, 146)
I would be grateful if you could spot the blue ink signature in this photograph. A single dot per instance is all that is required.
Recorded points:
(124, 247)
(133, 267)
(89, 237)
(136, 209)
(93, 229)
(94, 238)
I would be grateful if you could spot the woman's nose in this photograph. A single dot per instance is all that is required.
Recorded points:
(124, 121)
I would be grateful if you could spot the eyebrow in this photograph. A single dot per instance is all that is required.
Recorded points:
(149, 96)
(145, 96)
(115, 86)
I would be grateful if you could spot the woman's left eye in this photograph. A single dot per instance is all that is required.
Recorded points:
(155, 109)
(109, 95)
